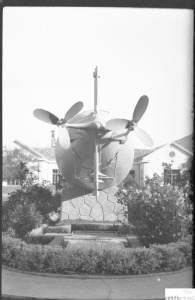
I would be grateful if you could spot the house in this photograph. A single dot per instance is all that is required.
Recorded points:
(44, 168)
(148, 162)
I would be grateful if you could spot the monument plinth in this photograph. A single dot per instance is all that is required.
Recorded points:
(103, 207)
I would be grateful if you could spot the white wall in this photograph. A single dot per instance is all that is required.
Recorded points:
(161, 155)
(46, 170)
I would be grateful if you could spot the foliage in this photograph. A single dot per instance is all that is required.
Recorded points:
(158, 212)
(101, 226)
(96, 260)
(41, 239)
(24, 218)
(62, 184)
(128, 182)
(187, 172)
(58, 229)
(28, 207)
(41, 194)
(57, 200)
(15, 164)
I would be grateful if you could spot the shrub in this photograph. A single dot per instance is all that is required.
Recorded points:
(32, 192)
(23, 219)
(43, 240)
(58, 229)
(95, 260)
(28, 207)
(157, 212)
(101, 226)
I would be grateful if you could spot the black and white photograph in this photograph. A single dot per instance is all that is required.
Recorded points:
(97, 152)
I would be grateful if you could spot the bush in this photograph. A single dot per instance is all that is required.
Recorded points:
(58, 229)
(23, 219)
(101, 226)
(96, 260)
(42, 240)
(28, 207)
(32, 192)
(157, 212)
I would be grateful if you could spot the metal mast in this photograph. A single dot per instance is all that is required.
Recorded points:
(96, 138)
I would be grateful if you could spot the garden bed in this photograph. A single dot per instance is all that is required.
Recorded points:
(132, 261)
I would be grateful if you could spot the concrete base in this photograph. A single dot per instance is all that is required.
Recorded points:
(92, 208)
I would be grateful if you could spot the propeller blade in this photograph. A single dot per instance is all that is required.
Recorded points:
(144, 137)
(140, 108)
(116, 124)
(73, 111)
(64, 138)
(45, 116)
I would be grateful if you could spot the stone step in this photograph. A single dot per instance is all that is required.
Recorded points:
(94, 244)
(95, 238)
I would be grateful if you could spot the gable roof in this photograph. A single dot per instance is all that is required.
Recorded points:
(48, 152)
(147, 152)
(31, 150)
(141, 152)
(185, 144)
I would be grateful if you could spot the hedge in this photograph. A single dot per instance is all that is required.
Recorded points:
(58, 229)
(99, 260)
(83, 225)
(42, 239)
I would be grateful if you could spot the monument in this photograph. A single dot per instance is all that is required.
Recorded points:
(94, 153)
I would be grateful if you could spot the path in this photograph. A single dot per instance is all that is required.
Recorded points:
(22, 285)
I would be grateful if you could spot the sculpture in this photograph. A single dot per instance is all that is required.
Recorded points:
(93, 151)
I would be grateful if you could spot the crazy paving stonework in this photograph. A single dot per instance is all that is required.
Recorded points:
(93, 208)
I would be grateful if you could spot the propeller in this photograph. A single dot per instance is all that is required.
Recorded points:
(122, 124)
(48, 117)
(144, 137)
(140, 108)
(63, 136)
(73, 111)
(45, 116)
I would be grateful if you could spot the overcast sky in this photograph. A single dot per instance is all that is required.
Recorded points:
(50, 53)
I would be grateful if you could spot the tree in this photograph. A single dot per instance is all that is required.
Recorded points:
(15, 164)
(187, 171)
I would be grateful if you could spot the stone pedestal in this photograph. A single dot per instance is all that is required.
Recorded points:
(92, 208)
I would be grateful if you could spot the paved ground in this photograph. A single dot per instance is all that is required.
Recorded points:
(21, 286)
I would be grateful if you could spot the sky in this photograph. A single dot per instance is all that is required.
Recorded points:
(50, 54)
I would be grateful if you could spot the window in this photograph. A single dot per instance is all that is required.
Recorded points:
(11, 182)
(56, 176)
(171, 176)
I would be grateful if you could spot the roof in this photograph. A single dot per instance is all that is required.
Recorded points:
(185, 143)
(140, 152)
(47, 152)
(31, 150)
(147, 152)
